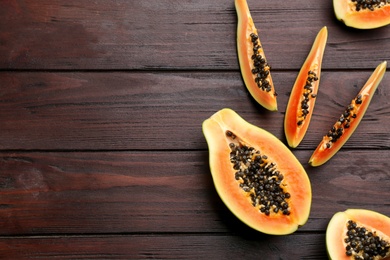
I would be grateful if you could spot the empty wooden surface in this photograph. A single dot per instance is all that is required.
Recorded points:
(101, 104)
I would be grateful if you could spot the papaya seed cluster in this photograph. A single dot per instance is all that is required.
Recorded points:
(307, 95)
(369, 4)
(261, 68)
(344, 121)
(259, 178)
(363, 244)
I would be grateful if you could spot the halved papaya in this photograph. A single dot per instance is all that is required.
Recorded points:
(362, 14)
(304, 92)
(256, 175)
(254, 67)
(348, 121)
(358, 234)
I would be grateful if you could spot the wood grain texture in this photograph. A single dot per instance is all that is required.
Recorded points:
(102, 154)
(171, 192)
(174, 35)
(148, 111)
(244, 245)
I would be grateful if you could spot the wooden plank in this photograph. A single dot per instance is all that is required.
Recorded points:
(247, 245)
(141, 192)
(101, 106)
(174, 35)
(165, 110)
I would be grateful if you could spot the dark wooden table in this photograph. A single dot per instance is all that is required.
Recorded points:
(101, 104)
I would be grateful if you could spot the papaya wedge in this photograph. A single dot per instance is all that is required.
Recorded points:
(349, 120)
(254, 67)
(362, 14)
(304, 92)
(358, 234)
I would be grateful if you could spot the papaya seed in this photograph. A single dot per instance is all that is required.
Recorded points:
(307, 94)
(261, 68)
(230, 134)
(345, 120)
(364, 244)
(259, 177)
(369, 4)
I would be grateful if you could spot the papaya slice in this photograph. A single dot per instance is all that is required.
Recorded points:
(256, 175)
(358, 234)
(304, 92)
(362, 14)
(348, 121)
(254, 67)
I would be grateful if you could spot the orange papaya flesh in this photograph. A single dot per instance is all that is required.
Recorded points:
(358, 234)
(349, 120)
(304, 92)
(256, 175)
(362, 14)
(255, 70)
